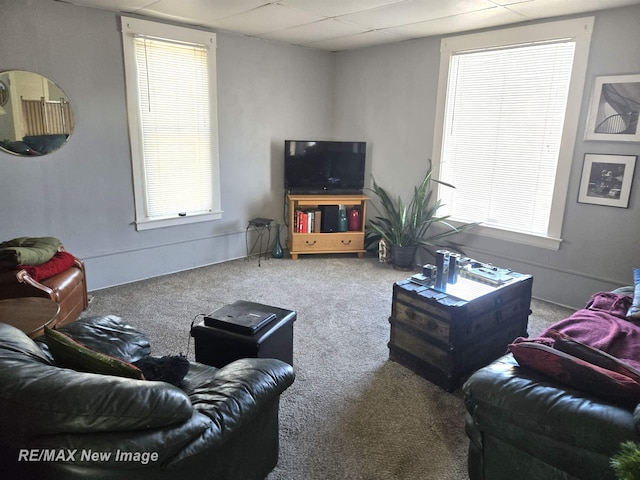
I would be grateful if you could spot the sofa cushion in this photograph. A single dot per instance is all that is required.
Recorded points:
(110, 335)
(59, 263)
(70, 354)
(581, 367)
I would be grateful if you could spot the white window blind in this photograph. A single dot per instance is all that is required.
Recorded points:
(172, 107)
(507, 115)
(503, 125)
(174, 112)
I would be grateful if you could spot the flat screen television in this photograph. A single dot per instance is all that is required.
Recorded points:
(324, 167)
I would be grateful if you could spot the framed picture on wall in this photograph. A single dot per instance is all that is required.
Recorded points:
(614, 109)
(606, 179)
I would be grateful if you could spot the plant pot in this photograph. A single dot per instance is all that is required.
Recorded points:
(403, 257)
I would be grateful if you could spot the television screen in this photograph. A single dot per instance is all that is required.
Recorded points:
(330, 167)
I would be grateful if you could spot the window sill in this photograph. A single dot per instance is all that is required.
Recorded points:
(521, 238)
(149, 224)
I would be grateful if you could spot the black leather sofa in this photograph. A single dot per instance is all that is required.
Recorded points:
(523, 424)
(57, 423)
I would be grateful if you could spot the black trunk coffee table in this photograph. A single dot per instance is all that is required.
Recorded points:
(446, 335)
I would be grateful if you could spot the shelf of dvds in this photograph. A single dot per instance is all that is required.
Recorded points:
(310, 233)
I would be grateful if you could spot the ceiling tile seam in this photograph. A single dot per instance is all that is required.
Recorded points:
(318, 21)
(217, 19)
(397, 37)
(362, 25)
(400, 25)
(366, 28)
(320, 18)
(525, 17)
(141, 9)
(360, 10)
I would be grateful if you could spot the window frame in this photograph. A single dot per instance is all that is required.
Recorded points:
(129, 28)
(580, 30)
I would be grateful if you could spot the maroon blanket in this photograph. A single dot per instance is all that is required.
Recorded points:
(602, 324)
(60, 262)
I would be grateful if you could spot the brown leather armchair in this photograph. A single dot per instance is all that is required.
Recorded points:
(68, 289)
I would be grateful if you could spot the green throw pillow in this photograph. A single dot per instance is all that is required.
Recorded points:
(70, 354)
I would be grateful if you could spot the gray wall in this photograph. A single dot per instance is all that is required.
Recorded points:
(388, 95)
(267, 92)
(83, 193)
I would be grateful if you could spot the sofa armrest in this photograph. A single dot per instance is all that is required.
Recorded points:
(557, 424)
(234, 423)
(110, 335)
(67, 288)
(58, 400)
(236, 393)
(23, 277)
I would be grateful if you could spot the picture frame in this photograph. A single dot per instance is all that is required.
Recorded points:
(606, 179)
(614, 109)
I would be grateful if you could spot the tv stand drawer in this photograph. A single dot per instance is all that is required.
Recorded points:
(322, 242)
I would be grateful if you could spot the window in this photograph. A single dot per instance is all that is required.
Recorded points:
(508, 110)
(171, 100)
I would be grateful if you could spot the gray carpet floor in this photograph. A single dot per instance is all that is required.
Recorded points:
(351, 413)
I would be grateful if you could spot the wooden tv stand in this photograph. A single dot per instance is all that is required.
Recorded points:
(322, 242)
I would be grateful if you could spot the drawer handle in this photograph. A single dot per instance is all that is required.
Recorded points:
(310, 243)
(346, 242)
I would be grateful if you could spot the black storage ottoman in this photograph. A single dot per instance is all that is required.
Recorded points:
(218, 346)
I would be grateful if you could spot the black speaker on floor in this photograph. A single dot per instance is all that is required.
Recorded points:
(329, 218)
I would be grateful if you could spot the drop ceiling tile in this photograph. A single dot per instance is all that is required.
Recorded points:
(268, 18)
(200, 11)
(413, 11)
(491, 17)
(314, 32)
(284, 19)
(551, 8)
(335, 8)
(366, 39)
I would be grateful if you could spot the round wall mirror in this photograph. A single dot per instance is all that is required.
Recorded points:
(35, 114)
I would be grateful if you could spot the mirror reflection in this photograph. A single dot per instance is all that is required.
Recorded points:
(35, 115)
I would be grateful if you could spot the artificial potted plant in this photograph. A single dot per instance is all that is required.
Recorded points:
(405, 226)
